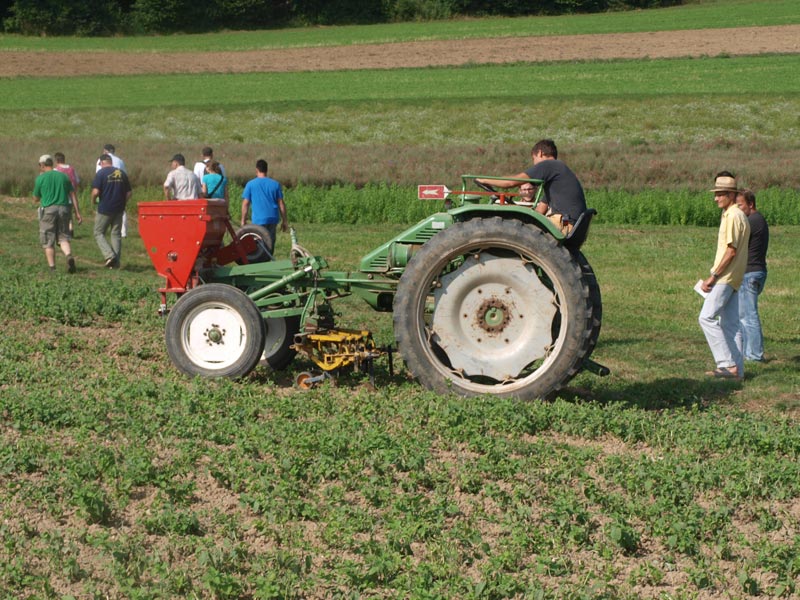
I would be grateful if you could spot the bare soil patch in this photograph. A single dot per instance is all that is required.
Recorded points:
(664, 44)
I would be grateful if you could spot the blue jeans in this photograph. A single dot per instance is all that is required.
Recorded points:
(751, 287)
(719, 319)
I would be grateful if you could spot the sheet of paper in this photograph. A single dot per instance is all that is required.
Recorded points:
(698, 287)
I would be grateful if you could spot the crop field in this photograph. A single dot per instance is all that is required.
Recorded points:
(121, 478)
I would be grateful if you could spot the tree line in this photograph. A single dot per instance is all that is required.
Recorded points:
(112, 17)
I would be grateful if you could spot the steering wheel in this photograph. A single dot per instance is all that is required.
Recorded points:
(485, 186)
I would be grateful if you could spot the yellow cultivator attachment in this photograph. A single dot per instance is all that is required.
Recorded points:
(333, 349)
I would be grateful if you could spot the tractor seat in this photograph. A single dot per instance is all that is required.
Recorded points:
(580, 231)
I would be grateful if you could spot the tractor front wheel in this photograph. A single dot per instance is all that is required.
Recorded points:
(215, 330)
(493, 306)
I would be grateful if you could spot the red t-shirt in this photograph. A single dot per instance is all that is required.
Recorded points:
(69, 171)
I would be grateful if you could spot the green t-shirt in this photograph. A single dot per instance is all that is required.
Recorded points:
(53, 188)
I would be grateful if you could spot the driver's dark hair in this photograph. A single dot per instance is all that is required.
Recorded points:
(546, 147)
(261, 166)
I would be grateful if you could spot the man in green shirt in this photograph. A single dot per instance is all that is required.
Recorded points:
(56, 197)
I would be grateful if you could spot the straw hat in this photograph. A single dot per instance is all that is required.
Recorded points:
(725, 184)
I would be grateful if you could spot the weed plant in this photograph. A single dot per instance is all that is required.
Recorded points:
(122, 478)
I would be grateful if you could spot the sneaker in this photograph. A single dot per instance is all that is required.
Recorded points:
(70, 265)
(109, 264)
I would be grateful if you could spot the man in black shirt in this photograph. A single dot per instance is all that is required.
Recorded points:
(564, 200)
(111, 190)
(754, 277)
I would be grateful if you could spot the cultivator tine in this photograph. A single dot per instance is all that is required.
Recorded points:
(390, 356)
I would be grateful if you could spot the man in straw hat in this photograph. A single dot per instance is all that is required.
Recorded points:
(719, 317)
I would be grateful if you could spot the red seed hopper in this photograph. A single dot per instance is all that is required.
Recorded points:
(183, 236)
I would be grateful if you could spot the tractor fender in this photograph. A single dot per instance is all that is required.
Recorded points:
(506, 211)
(393, 256)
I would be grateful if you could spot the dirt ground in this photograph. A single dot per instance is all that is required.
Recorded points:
(665, 44)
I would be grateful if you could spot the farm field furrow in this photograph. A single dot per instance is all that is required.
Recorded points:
(658, 44)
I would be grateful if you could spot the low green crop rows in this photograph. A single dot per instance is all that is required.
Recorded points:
(119, 477)
(221, 491)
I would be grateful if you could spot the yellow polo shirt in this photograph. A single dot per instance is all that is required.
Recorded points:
(734, 230)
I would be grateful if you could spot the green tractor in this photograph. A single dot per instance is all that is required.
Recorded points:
(487, 296)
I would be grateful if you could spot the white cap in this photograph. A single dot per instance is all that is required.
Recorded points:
(44, 158)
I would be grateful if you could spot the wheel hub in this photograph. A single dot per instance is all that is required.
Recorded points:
(493, 316)
(214, 335)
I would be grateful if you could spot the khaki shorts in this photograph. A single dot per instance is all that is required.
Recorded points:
(54, 225)
(564, 226)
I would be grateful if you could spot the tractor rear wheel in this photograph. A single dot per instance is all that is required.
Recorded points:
(215, 330)
(493, 306)
(595, 298)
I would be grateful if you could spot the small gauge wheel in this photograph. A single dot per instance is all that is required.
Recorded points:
(304, 381)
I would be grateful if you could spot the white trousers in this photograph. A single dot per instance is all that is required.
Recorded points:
(719, 319)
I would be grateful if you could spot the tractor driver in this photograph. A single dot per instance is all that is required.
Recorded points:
(563, 200)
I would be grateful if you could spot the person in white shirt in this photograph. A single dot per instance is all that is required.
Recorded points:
(200, 166)
(116, 161)
(181, 183)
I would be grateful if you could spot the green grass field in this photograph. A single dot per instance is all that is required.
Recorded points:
(621, 124)
(121, 478)
(770, 75)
